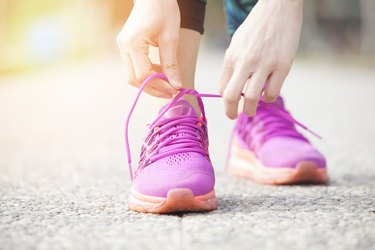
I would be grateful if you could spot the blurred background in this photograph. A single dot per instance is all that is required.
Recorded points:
(63, 102)
(39, 33)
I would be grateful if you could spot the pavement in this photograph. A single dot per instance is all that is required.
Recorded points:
(64, 180)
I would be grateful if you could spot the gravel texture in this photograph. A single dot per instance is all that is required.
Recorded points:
(64, 179)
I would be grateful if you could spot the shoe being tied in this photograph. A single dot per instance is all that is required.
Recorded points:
(174, 173)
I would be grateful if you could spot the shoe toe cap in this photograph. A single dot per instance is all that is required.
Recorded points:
(188, 170)
(288, 152)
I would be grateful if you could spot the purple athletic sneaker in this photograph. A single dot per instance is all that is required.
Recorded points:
(174, 171)
(268, 149)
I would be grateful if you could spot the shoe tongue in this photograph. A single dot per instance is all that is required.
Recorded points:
(180, 108)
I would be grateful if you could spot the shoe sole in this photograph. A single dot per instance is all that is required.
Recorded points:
(244, 164)
(177, 200)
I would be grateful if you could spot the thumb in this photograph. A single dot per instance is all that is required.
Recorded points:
(168, 59)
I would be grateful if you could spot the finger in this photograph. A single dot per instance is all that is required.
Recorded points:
(226, 74)
(160, 84)
(129, 71)
(232, 93)
(157, 68)
(253, 92)
(168, 58)
(157, 87)
(159, 90)
(275, 82)
(156, 92)
(141, 62)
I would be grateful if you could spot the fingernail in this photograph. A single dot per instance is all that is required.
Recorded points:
(176, 84)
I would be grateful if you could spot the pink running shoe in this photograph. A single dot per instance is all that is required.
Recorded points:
(174, 171)
(268, 149)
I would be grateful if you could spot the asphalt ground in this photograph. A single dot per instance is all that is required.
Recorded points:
(64, 180)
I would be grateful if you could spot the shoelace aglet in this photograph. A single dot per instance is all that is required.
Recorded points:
(315, 134)
(306, 128)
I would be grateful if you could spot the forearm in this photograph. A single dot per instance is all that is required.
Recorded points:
(187, 54)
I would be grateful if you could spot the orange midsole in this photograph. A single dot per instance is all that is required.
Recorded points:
(155, 199)
(244, 163)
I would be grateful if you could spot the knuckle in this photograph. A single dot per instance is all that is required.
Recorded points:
(141, 76)
(229, 57)
(132, 82)
(231, 99)
(228, 52)
(119, 39)
(270, 64)
(230, 115)
(122, 39)
(282, 65)
(169, 36)
(241, 60)
(227, 65)
(252, 59)
(251, 97)
(170, 65)
(126, 40)
(249, 112)
(271, 96)
(124, 45)
(273, 93)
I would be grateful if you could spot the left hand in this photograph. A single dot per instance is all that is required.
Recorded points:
(261, 54)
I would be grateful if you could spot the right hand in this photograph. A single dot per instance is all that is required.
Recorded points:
(155, 23)
(260, 55)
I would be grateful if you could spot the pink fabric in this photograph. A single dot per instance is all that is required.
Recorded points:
(183, 170)
(288, 152)
(275, 140)
(178, 157)
(175, 149)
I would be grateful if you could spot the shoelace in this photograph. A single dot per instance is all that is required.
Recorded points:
(189, 143)
(270, 123)
(172, 136)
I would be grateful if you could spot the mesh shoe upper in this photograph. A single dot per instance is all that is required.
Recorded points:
(275, 140)
(175, 154)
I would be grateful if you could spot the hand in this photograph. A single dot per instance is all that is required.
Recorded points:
(261, 54)
(155, 23)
